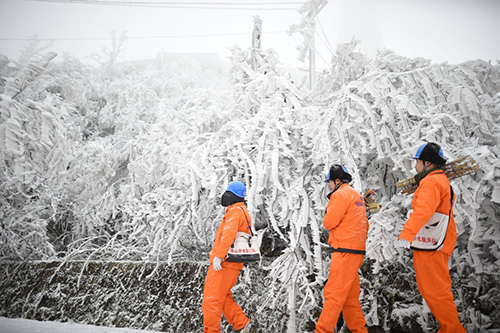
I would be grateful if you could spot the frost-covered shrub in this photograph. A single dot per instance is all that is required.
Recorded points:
(34, 155)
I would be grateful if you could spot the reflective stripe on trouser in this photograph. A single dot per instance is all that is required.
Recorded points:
(218, 300)
(434, 283)
(342, 294)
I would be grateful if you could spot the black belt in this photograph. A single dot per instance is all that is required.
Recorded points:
(340, 249)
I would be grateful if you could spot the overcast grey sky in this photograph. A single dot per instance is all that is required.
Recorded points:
(439, 30)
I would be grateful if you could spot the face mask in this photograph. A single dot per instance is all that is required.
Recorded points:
(229, 198)
(225, 199)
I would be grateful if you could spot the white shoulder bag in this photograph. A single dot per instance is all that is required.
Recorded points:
(431, 236)
(246, 247)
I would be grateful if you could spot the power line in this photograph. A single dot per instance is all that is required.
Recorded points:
(185, 5)
(325, 41)
(172, 2)
(129, 38)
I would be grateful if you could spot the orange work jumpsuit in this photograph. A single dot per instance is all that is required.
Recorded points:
(348, 225)
(217, 296)
(431, 267)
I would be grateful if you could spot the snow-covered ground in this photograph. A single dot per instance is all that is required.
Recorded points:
(18, 325)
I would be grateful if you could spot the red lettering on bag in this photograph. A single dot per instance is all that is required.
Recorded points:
(425, 239)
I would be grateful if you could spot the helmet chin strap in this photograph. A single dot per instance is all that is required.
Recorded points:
(338, 185)
(425, 166)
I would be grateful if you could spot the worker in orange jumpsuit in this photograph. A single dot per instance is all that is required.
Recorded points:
(223, 275)
(346, 220)
(433, 194)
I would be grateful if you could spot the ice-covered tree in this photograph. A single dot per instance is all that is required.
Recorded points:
(131, 166)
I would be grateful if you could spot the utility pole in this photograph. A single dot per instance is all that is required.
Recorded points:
(307, 28)
(256, 40)
(312, 56)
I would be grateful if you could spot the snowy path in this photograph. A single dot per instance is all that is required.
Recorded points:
(9, 325)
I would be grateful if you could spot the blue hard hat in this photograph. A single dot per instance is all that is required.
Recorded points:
(338, 171)
(431, 152)
(237, 188)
